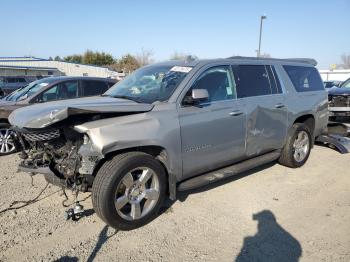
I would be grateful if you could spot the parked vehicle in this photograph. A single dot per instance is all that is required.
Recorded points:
(174, 126)
(8, 84)
(44, 90)
(330, 84)
(339, 100)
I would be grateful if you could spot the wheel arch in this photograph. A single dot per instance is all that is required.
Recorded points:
(158, 152)
(4, 121)
(308, 120)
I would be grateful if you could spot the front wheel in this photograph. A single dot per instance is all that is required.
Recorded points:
(298, 146)
(128, 190)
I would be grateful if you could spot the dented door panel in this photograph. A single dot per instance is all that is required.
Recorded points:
(266, 123)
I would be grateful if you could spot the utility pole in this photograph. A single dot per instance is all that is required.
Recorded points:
(261, 23)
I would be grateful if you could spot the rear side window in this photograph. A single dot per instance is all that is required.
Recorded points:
(252, 80)
(304, 78)
(93, 88)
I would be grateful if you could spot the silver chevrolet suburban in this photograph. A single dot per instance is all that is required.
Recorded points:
(172, 127)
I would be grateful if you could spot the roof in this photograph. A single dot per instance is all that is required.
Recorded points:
(21, 58)
(28, 67)
(310, 61)
(241, 59)
(60, 78)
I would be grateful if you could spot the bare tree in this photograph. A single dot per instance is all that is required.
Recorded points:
(345, 61)
(182, 56)
(265, 55)
(145, 57)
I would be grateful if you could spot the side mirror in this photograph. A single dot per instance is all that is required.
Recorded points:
(198, 95)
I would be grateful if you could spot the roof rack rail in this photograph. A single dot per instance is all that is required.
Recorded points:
(310, 61)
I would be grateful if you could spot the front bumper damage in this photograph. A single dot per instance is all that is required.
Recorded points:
(339, 111)
(65, 157)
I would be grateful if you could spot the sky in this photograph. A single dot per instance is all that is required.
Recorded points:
(208, 29)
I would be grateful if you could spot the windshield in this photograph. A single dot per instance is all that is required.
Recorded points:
(346, 84)
(27, 91)
(150, 84)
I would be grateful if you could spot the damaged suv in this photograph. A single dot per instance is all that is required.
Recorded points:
(172, 127)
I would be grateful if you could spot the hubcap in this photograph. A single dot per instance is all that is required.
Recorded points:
(137, 193)
(301, 146)
(7, 144)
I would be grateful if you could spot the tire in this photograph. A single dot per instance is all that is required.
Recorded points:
(113, 181)
(8, 144)
(290, 155)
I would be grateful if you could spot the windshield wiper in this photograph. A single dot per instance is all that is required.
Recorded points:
(127, 98)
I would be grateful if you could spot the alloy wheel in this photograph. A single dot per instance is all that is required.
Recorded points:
(7, 144)
(301, 146)
(137, 193)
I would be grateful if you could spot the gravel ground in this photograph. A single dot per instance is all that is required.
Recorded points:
(270, 214)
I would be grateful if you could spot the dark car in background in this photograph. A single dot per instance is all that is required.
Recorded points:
(8, 84)
(339, 100)
(45, 90)
(333, 83)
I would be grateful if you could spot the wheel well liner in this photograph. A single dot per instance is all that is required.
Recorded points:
(308, 120)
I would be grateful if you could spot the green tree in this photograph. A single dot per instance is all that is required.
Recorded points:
(74, 59)
(127, 63)
(97, 58)
(57, 58)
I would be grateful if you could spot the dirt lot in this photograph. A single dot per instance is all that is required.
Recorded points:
(271, 214)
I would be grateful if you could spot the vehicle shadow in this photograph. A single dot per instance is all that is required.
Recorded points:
(271, 242)
(102, 239)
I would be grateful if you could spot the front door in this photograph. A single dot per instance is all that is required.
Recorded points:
(212, 133)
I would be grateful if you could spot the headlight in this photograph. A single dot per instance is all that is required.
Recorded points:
(86, 139)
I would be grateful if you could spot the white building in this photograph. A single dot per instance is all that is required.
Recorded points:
(335, 75)
(33, 66)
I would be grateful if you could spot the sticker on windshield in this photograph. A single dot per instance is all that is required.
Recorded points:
(183, 69)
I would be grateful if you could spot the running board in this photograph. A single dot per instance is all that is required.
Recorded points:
(339, 142)
(229, 171)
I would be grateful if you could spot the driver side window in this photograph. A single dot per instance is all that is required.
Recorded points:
(64, 90)
(218, 82)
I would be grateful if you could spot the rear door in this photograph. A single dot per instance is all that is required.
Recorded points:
(259, 89)
(212, 133)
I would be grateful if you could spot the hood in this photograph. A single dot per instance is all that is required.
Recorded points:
(4, 102)
(46, 114)
(339, 91)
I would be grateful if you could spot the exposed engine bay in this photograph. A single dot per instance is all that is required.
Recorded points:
(55, 150)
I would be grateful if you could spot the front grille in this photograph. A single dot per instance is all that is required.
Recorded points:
(340, 101)
(42, 136)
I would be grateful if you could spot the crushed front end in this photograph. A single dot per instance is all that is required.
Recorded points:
(339, 104)
(54, 152)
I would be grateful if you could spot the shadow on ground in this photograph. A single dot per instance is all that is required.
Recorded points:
(102, 239)
(271, 243)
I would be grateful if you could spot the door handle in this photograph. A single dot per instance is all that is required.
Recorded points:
(236, 113)
(279, 105)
